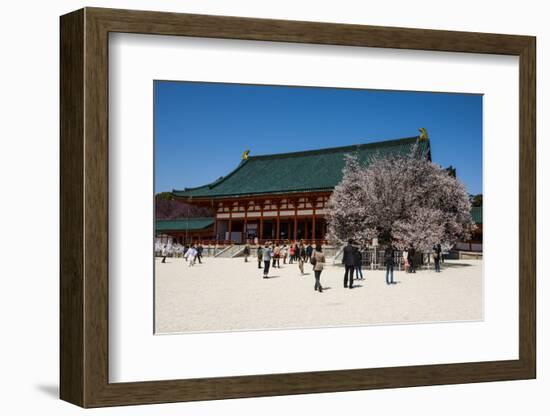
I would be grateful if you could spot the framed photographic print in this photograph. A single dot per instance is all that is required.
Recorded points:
(255, 207)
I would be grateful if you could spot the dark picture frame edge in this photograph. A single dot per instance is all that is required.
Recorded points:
(84, 207)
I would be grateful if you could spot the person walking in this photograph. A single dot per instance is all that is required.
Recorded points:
(358, 265)
(301, 258)
(439, 251)
(276, 256)
(267, 254)
(260, 256)
(309, 252)
(410, 260)
(199, 252)
(191, 254)
(284, 253)
(303, 251)
(246, 252)
(437, 255)
(389, 261)
(291, 254)
(348, 260)
(318, 262)
(164, 254)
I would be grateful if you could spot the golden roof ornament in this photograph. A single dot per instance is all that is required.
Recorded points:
(245, 154)
(423, 134)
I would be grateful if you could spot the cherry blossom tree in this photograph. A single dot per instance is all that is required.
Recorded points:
(404, 200)
(168, 208)
(346, 207)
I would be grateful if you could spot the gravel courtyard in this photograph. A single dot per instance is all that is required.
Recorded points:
(229, 295)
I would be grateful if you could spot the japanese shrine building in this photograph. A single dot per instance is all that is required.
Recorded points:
(283, 196)
(185, 229)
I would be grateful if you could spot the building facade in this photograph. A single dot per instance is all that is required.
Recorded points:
(184, 229)
(475, 244)
(284, 196)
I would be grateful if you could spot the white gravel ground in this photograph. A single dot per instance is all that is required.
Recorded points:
(230, 295)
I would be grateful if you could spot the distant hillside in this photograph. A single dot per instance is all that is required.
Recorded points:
(167, 209)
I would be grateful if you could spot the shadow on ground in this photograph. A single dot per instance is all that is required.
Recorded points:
(51, 390)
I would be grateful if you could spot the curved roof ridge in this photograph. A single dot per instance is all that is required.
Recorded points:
(215, 182)
(351, 147)
(192, 188)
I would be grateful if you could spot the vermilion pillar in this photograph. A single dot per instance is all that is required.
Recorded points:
(261, 228)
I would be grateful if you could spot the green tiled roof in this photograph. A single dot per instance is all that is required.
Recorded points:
(183, 224)
(314, 170)
(477, 214)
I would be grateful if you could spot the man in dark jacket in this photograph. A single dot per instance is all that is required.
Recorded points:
(199, 252)
(411, 260)
(348, 260)
(437, 257)
(389, 260)
(309, 252)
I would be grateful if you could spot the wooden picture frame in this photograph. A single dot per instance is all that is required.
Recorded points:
(84, 207)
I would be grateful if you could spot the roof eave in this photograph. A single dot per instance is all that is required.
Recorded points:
(244, 195)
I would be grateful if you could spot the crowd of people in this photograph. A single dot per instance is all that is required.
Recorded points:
(293, 253)
(270, 255)
(300, 253)
(191, 253)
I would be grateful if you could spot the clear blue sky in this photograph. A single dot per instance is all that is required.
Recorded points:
(201, 129)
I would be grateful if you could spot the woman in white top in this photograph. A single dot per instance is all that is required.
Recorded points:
(191, 253)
